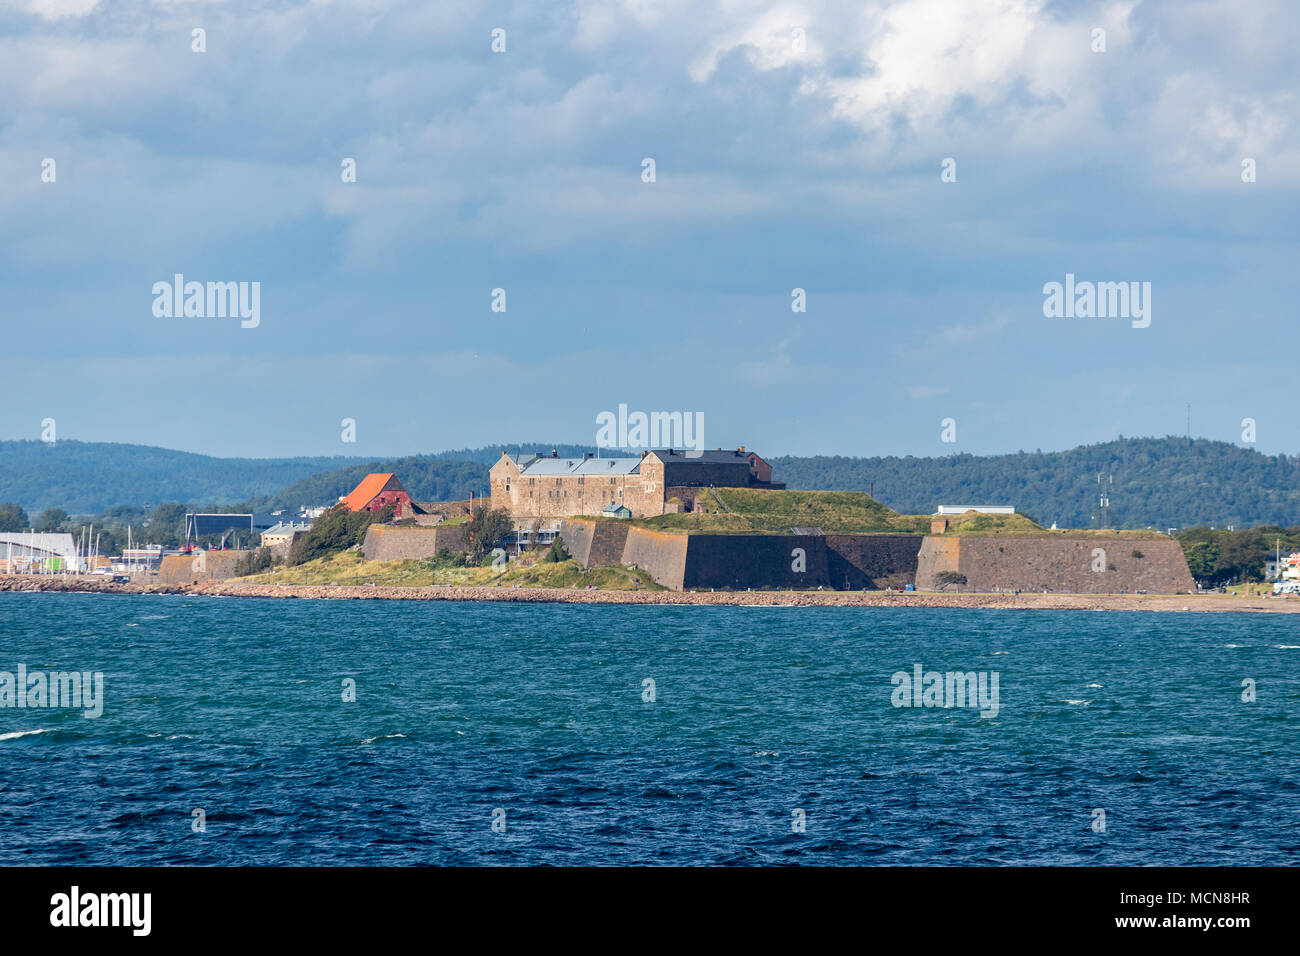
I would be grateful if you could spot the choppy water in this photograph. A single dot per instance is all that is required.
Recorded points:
(235, 706)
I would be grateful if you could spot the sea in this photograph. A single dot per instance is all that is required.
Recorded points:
(344, 733)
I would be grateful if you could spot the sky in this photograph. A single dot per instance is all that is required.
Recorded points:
(920, 169)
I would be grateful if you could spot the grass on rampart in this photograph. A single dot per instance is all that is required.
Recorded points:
(763, 511)
(349, 567)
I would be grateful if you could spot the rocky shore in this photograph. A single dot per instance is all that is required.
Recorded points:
(1085, 602)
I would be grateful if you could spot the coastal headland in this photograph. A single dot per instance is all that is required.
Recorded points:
(1025, 601)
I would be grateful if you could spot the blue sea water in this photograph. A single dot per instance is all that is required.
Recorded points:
(235, 707)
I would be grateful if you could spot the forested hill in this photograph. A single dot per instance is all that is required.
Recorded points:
(425, 478)
(1160, 482)
(88, 477)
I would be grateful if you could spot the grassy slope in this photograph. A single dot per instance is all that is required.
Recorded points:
(776, 512)
(350, 567)
(753, 511)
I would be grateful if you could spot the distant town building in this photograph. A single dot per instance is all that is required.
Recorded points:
(376, 492)
(660, 481)
(280, 538)
(32, 552)
(980, 509)
(199, 525)
(284, 533)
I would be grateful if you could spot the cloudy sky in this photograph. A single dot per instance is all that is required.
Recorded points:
(795, 145)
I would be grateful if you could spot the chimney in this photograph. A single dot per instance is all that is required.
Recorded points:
(644, 453)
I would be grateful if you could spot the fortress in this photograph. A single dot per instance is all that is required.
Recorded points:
(716, 519)
(661, 481)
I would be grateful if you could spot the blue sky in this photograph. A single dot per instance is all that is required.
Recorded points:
(779, 164)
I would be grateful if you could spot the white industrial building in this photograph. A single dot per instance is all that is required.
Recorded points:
(35, 552)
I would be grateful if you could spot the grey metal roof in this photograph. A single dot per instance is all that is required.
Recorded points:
(581, 466)
(285, 528)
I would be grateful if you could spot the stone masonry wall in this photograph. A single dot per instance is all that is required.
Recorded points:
(595, 543)
(756, 561)
(659, 554)
(1060, 564)
(872, 561)
(205, 566)
(411, 543)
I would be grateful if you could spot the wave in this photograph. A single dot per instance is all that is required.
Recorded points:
(14, 735)
(371, 740)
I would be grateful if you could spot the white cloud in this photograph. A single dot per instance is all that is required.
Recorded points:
(61, 9)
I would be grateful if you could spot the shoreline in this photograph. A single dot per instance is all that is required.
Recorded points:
(448, 592)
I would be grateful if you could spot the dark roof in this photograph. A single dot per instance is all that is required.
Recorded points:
(708, 457)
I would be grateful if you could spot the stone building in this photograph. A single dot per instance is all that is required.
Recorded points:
(661, 481)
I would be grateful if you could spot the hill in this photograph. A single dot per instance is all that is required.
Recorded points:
(1161, 482)
(89, 477)
(1157, 482)
(425, 478)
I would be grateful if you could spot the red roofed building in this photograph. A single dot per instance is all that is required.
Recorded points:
(376, 491)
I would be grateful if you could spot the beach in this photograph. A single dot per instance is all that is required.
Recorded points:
(1208, 602)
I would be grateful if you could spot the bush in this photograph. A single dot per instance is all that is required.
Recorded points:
(945, 578)
(556, 553)
(255, 562)
(336, 530)
(486, 530)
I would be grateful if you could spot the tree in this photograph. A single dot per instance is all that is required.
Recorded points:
(12, 517)
(486, 530)
(166, 525)
(945, 578)
(336, 530)
(556, 553)
(52, 519)
(254, 562)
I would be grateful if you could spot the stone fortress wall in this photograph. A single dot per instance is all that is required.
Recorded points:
(411, 542)
(1085, 565)
(876, 561)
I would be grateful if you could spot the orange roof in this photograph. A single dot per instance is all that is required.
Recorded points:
(364, 493)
